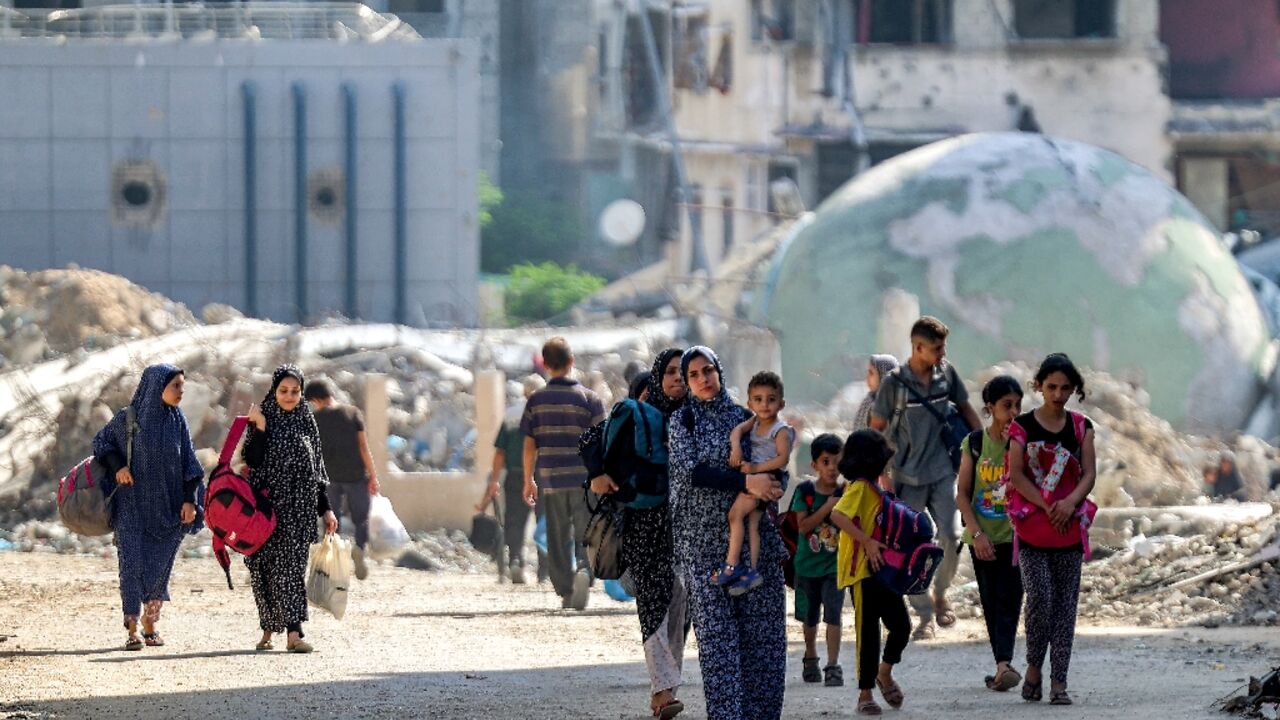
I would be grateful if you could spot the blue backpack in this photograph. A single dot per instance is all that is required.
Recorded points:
(635, 453)
(910, 555)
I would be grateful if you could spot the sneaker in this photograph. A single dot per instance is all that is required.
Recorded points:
(833, 676)
(749, 581)
(581, 590)
(357, 559)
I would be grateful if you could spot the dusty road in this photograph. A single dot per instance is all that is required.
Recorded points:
(423, 645)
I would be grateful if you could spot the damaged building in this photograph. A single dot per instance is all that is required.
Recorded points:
(817, 90)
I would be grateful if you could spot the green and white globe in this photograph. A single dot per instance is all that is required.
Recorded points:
(1024, 245)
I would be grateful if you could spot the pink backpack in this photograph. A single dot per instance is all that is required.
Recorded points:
(240, 516)
(1056, 473)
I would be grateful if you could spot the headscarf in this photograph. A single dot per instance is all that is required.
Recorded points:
(657, 397)
(164, 458)
(293, 471)
(638, 385)
(884, 364)
(700, 435)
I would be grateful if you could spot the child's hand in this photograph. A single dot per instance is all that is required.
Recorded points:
(735, 456)
(872, 549)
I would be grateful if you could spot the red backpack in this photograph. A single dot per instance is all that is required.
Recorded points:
(788, 524)
(1056, 473)
(240, 516)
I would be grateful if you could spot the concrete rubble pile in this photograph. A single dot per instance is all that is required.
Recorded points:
(1136, 584)
(53, 312)
(441, 549)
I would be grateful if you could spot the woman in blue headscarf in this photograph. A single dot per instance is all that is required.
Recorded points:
(742, 641)
(157, 499)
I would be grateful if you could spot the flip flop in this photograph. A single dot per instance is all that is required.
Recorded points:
(1031, 692)
(869, 707)
(153, 639)
(264, 645)
(1059, 697)
(133, 643)
(671, 709)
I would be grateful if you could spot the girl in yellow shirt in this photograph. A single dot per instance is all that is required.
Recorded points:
(865, 454)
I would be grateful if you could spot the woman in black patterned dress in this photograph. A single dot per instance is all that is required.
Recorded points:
(283, 450)
(647, 553)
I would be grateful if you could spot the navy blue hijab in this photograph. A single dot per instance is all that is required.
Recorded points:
(164, 459)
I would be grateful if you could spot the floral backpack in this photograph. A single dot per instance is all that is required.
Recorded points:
(1056, 472)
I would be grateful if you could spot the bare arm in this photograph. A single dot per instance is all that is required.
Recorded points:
(969, 414)
(869, 545)
(370, 470)
(964, 491)
(530, 457)
(735, 442)
(1088, 469)
(809, 521)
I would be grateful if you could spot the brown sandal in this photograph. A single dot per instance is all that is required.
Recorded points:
(153, 639)
(869, 707)
(133, 643)
(945, 616)
(891, 692)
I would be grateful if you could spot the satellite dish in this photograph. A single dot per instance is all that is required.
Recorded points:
(622, 222)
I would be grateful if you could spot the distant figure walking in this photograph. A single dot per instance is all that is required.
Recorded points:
(352, 475)
(158, 498)
(284, 452)
(554, 419)
(507, 476)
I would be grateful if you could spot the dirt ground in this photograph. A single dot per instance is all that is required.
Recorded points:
(418, 644)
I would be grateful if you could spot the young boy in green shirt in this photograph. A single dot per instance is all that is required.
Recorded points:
(815, 560)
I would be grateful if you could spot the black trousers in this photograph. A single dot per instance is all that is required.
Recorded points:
(515, 522)
(357, 497)
(875, 604)
(1000, 587)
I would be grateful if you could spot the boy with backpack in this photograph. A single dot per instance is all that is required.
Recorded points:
(861, 557)
(815, 560)
(923, 409)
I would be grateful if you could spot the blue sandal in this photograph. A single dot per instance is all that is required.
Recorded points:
(727, 575)
(748, 581)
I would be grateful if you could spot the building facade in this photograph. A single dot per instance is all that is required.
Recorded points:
(291, 161)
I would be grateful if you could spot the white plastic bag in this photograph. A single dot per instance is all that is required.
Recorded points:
(329, 575)
(387, 536)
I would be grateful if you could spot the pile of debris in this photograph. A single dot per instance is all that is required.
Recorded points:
(436, 550)
(1223, 574)
(53, 312)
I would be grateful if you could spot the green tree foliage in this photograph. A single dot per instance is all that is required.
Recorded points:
(490, 197)
(526, 228)
(543, 291)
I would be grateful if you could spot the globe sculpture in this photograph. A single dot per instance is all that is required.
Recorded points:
(1024, 245)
